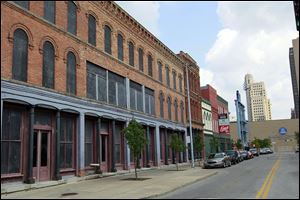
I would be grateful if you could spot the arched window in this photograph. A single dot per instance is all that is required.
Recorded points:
(92, 30)
(141, 59)
(150, 61)
(168, 75)
(169, 108)
(49, 11)
(71, 73)
(120, 47)
(182, 113)
(161, 102)
(72, 17)
(20, 56)
(48, 65)
(176, 110)
(131, 53)
(107, 39)
(159, 71)
(174, 80)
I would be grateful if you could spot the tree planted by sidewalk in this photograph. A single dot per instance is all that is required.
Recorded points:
(198, 145)
(238, 144)
(214, 143)
(135, 136)
(178, 146)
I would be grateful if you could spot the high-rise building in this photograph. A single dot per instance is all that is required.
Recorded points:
(258, 105)
(242, 124)
(294, 67)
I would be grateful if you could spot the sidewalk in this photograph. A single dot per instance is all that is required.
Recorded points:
(155, 182)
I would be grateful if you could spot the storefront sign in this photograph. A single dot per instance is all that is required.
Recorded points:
(224, 129)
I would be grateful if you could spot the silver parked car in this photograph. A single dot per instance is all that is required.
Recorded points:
(217, 160)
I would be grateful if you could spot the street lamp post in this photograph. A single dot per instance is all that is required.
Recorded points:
(190, 118)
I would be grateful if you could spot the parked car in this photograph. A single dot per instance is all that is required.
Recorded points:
(254, 152)
(234, 156)
(245, 155)
(217, 160)
(250, 155)
(297, 149)
(269, 150)
(263, 151)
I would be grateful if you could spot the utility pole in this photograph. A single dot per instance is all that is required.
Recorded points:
(190, 118)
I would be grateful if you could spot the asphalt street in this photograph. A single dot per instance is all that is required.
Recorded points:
(269, 176)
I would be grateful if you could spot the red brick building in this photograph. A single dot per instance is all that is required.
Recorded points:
(73, 74)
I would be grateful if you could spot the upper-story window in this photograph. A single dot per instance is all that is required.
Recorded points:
(71, 73)
(149, 101)
(116, 90)
(169, 108)
(107, 39)
(182, 111)
(160, 71)
(49, 11)
(176, 109)
(174, 80)
(20, 56)
(161, 102)
(120, 47)
(180, 83)
(150, 61)
(92, 30)
(96, 82)
(136, 96)
(48, 65)
(131, 53)
(24, 4)
(168, 75)
(72, 17)
(141, 59)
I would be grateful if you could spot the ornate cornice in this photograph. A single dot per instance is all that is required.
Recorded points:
(114, 10)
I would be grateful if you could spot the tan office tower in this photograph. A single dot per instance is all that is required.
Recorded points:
(258, 106)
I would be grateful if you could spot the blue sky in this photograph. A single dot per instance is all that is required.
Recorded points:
(228, 40)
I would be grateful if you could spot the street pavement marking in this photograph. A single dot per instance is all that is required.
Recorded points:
(264, 191)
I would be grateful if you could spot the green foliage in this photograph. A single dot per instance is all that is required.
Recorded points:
(256, 142)
(239, 144)
(135, 136)
(214, 143)
(262, 143)
(198, 143)
(177, 145)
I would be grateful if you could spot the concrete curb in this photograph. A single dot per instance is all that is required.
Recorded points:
(164, 193)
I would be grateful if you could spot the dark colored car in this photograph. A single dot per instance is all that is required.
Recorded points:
(245, 155)
(217, 160)
(234, 156)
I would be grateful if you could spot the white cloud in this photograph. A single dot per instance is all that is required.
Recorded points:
(206, 77)
(255, 39)
(145, 12)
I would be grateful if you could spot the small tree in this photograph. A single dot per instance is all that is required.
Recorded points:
(135, 136)
(177, 145)
(198, 144)
(239, 144)
(214, 143)
(256, 142)
(266, 143)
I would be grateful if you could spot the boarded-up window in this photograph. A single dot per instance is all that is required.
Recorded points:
(72, 17)
(149, 101)
(24, 4)
(107, 39)
(11, 141)
(71, 73)
(168, 75)
(131, 53)
(49, 11)
(92, 30)
(120, 47)
(20, 56)
(161, 102)
(141, 59)
(88, 140)
(150, 61)
(67, 142)
(160, 71)
(136, 96)
(169, 108)
(48, 65)
(116, 90)
(174, 80)
(182, 111)
(176, 110)
(96, 82)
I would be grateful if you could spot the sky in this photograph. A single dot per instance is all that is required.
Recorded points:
(228, 40)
